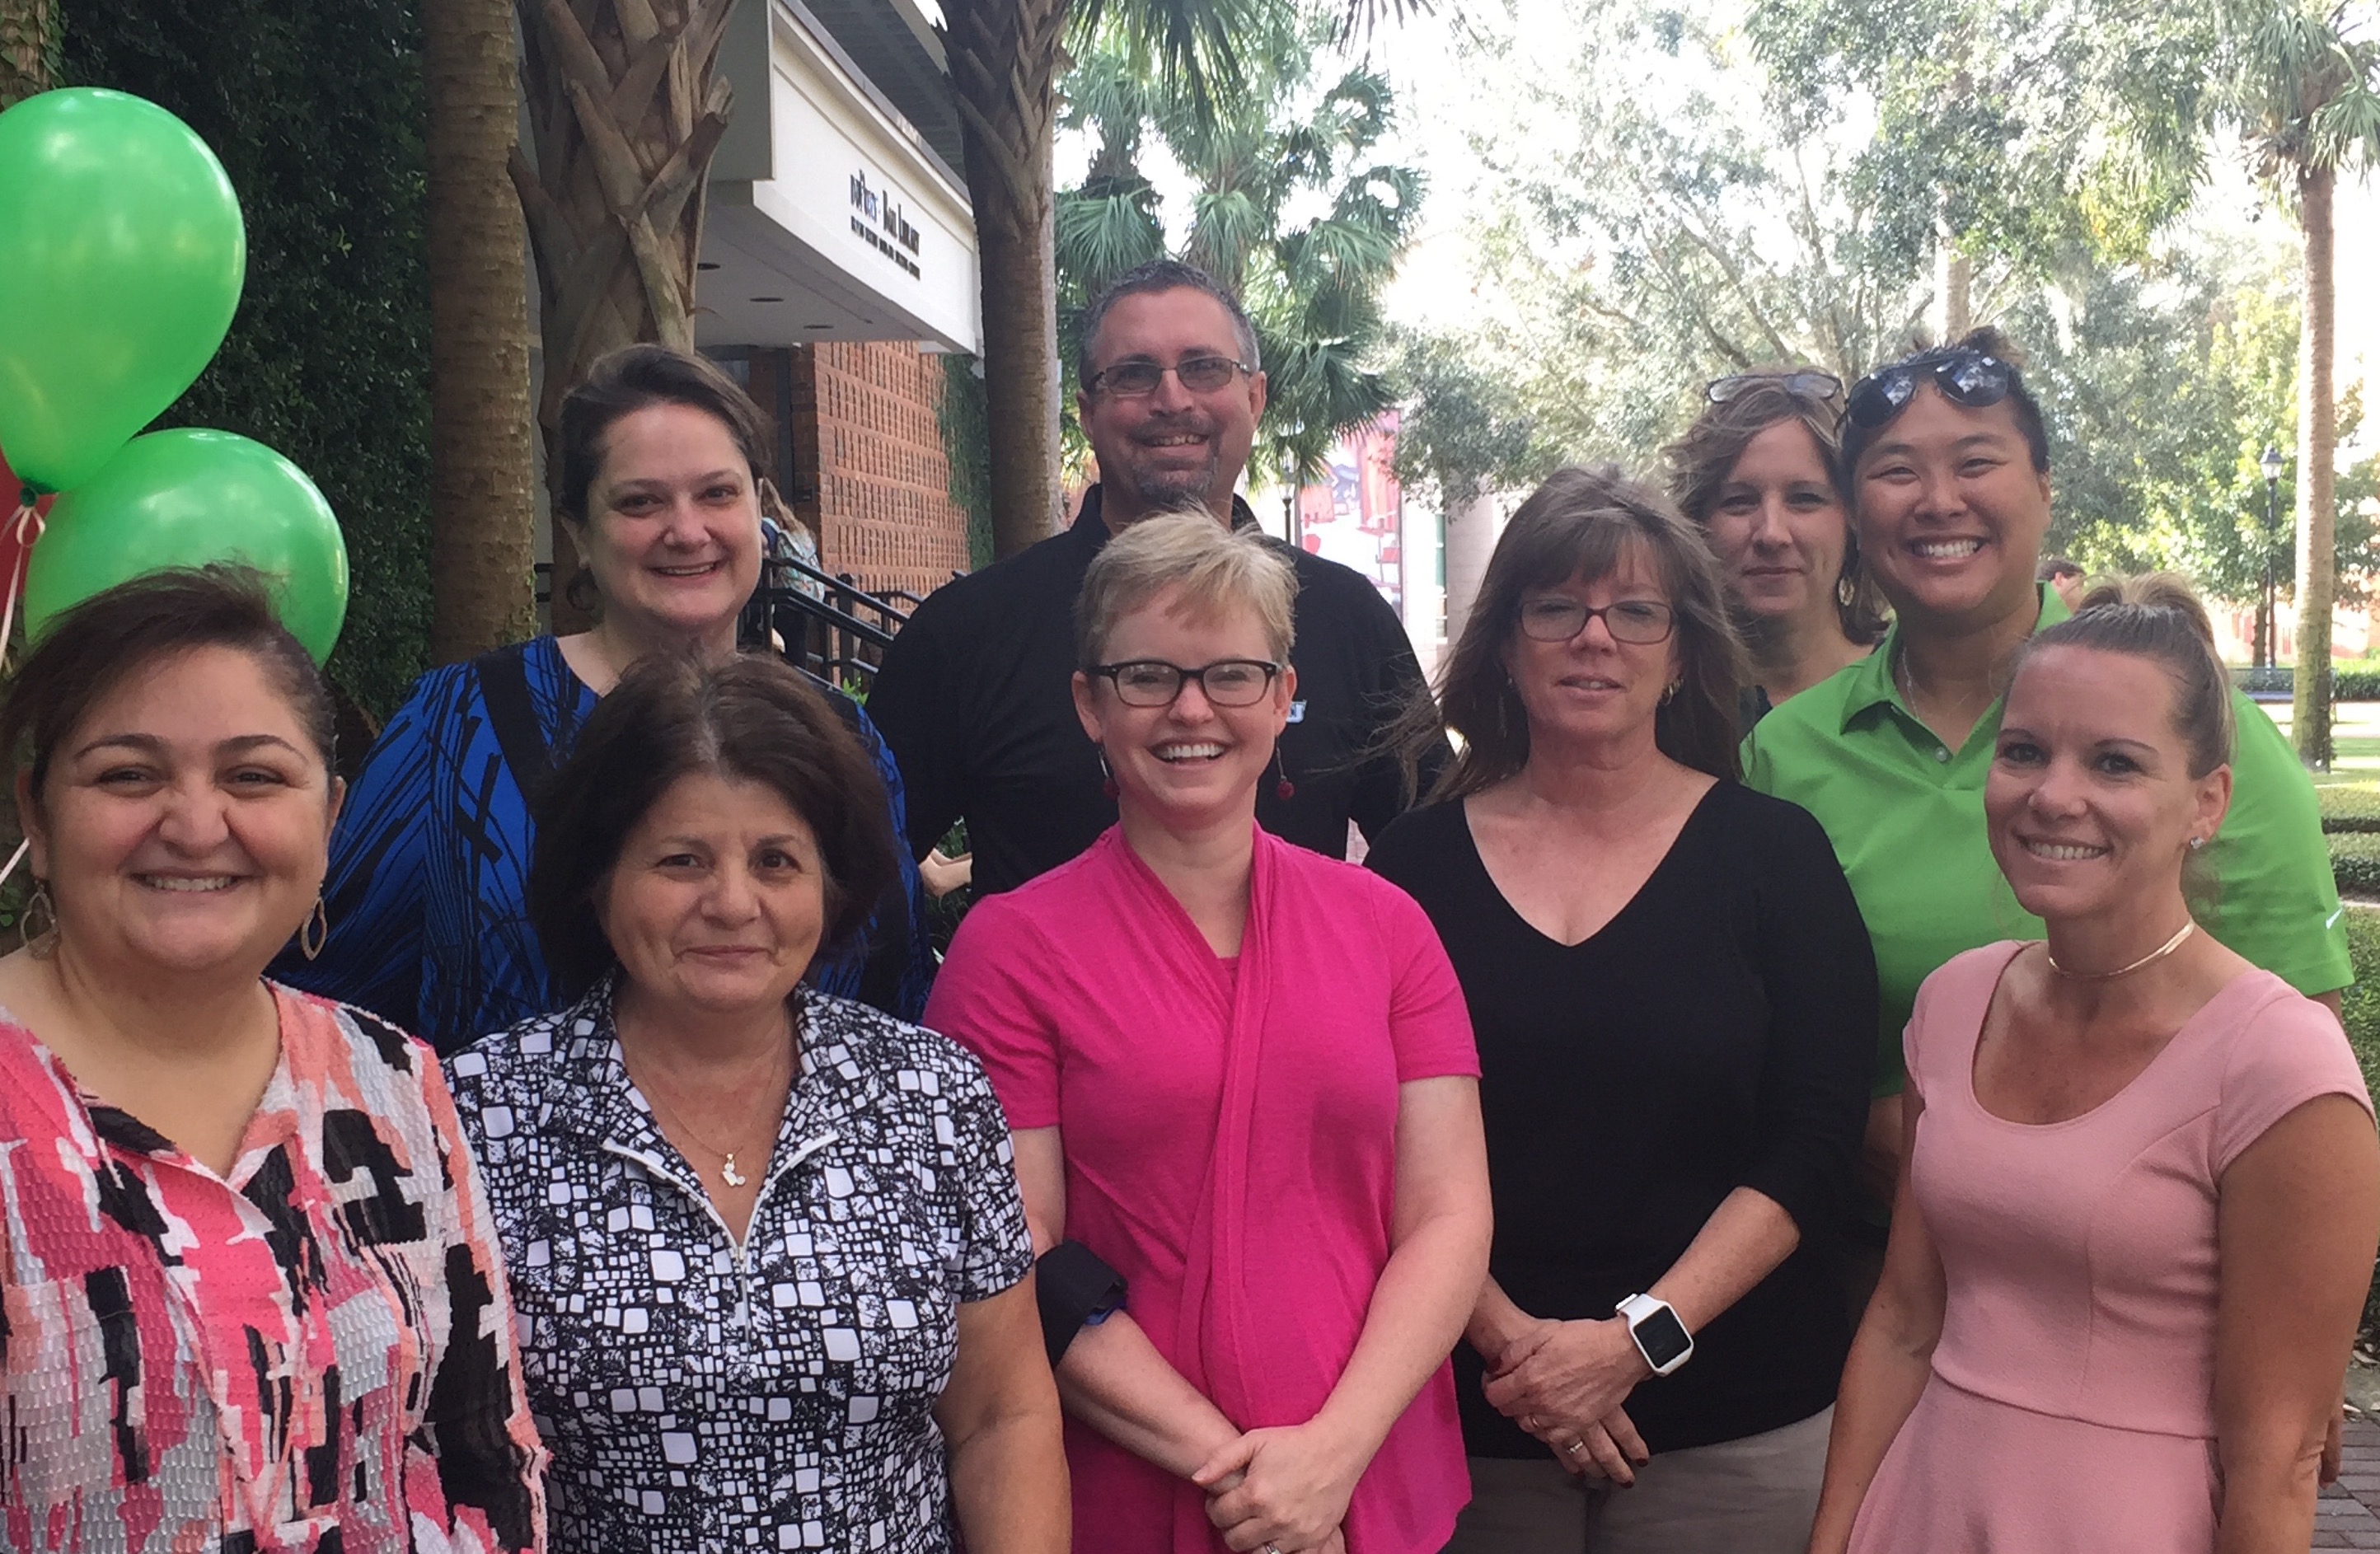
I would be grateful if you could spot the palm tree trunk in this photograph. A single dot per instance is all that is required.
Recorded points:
(2318, 439)
(482, 511)
(626, 109)
(1003, 62)
(28, 48)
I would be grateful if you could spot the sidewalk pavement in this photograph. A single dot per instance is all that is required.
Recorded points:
(2348, 1516)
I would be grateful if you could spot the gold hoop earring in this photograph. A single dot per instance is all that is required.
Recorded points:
(315, 933)
(42, 941)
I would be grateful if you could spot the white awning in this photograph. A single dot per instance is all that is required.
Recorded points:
(832, 217)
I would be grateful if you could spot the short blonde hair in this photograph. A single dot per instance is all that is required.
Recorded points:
(1214, 569)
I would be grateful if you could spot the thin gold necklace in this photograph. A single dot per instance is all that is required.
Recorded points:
(727, 1172)
(2189, 927)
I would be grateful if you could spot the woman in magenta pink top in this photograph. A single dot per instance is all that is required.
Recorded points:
(1242, 1075)
(2142, 1190)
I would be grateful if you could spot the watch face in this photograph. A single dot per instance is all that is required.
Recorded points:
(1662, 1337)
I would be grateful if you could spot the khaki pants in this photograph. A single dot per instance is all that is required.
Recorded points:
(1754, 1496)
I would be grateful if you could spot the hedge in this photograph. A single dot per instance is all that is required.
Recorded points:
(2348, 808)
(2355, 862)
(315, 107)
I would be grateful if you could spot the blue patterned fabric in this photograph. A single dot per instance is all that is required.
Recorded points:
(427, 892)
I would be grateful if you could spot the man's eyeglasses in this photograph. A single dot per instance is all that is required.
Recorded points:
(1137, 380)
(1642, 622)
(1224, 682)
(1964, 377)
(1805, 384)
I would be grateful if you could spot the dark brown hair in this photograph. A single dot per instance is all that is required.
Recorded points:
(1701, 461)
(751, 717)
(635, 378)
(89, 650)
(1584, 523)
(2156, 617)
(1161, 274)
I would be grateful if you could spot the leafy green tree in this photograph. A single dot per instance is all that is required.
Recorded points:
(2159, 413)
(2300, 80)
(2016, 132)
(1291, 207)
(1464, 431)
(1657, 221)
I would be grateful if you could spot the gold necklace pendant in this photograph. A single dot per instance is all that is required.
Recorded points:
(729, 1174)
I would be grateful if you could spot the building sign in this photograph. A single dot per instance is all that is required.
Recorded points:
(1358, 518)
(884, 223)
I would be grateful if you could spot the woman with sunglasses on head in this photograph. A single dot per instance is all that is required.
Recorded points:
(1757, 473)
(2136, 1223)
(1674, 1006)
(1244, 1101)
(1948, 461)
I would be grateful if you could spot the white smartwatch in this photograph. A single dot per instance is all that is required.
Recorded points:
(1658, 1333)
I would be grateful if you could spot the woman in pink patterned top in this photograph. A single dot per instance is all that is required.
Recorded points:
(252, 1299)
(1241, 1076)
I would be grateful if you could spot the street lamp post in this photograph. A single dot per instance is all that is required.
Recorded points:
(2271, 465)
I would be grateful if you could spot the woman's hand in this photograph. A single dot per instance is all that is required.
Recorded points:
(1566, 1373)
(1607, 1447)
(1288, 1488)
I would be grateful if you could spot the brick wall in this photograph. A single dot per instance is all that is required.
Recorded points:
(868, 474)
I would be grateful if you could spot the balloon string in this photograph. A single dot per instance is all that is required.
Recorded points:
(23, 529)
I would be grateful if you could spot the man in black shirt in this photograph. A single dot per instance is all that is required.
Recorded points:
(975, 697)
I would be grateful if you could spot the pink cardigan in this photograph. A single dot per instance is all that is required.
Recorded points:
(1231, 1145)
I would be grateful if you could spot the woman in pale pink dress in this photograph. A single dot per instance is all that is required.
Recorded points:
(2142, 1190)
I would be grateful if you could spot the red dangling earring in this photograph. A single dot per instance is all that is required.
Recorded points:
(1285, 788)
(1107, 778)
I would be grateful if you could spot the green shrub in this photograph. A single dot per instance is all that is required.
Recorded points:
(316, 111)
(2348, 807)
(2355, 862)
(2360, 1009)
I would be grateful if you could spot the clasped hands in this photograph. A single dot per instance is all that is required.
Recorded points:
(1564, 1383)
(1285, 1489)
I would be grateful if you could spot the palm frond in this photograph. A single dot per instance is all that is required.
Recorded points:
(1099, 235)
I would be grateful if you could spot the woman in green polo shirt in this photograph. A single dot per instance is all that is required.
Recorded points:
(1948, 462)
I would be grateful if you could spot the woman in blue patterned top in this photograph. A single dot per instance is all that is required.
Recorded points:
(766, 1245)
(661, 466)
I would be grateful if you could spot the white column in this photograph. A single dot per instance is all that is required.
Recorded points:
(1471, 531)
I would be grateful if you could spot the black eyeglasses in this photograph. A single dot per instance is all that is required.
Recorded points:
(1803, 383)
(1224, 682)
(1136, 380)
(1555, 619)
(1964, 377)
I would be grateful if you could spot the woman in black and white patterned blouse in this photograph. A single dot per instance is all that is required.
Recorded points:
(766, 1245)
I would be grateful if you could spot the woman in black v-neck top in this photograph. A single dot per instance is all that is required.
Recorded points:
(1708, 1044)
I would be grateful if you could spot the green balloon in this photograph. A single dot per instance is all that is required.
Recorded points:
(185, 498)
(121, 257)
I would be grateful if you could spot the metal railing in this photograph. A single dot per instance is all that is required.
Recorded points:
(826, 622)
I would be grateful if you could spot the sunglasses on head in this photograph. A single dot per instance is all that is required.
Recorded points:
(1803, 383)
(1962, 377)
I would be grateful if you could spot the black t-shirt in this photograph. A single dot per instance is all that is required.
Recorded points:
(976, 700)
(1718, 1033)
